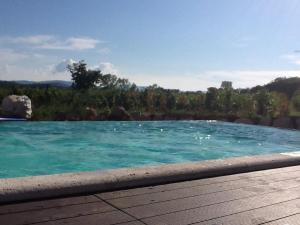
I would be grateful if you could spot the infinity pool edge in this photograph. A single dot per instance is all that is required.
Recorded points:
(68, 184)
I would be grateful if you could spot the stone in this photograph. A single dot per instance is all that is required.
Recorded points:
(17, 106)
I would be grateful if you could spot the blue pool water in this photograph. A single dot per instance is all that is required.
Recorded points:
(38, 148)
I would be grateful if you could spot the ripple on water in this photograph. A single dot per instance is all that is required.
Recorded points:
(38, 148)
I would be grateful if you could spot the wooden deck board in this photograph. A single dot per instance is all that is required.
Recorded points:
(289, 220)
(159, 208)
(136, 200)
(214, 180)
(223, 209)
(262, 197)
(259, 216)
(37, 205)
(108, 218)
(56, 213)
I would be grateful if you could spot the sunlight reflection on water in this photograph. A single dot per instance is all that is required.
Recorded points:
(36, 148)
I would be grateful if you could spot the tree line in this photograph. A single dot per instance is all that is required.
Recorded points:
(94, 95)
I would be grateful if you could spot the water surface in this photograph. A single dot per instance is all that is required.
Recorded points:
(38, 148)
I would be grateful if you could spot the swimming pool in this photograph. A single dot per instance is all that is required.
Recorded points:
(39, 148)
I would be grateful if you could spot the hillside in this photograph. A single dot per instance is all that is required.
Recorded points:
(287, 86)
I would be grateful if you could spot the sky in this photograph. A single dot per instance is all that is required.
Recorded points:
(187, 45)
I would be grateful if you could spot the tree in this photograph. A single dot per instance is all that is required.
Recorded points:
(182, 102)
(226, 85)
(243, 105)
(211, 98)
(170, 100)
(263, 102)
(296, 100)
(279, 104)
(82, 77)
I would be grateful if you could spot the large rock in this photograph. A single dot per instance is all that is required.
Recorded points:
(17, 106)
(283, 122)
(119, 113)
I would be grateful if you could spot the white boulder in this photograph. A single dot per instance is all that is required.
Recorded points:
(17, 106)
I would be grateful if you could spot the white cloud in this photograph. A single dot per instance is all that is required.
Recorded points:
(3, 69)
(19, 71)
(82, 43)
(292, 58)
(62, 66)
(19, 66)
(11, 56)
(32, 40)
(70, 44)
(108, 68)
(51, 42)
(14, 72)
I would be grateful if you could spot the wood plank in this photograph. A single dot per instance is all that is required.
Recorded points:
(160, 208)
(223, 209)
(197, 190)
(291, 220)
(108, 218)
(186, 184)
(46, 204)
(54, 213)
(132, 223)
(279, 214)
(251, 198)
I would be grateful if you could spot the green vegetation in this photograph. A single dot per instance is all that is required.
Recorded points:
(83, 78)
(94, 95)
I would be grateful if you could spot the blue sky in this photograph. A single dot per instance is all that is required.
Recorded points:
(190, 45)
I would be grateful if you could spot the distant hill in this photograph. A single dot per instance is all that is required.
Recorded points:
(50, 83)
(284, 85)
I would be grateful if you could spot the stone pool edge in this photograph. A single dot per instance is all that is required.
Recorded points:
(70, 184)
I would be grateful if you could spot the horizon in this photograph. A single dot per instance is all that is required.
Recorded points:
(177, 45)
(29, 82)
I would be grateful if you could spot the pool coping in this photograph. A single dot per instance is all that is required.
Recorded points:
(70, 184)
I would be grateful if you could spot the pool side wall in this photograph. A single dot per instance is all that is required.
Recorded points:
(70, 184)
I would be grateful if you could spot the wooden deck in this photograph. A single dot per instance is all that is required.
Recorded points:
(265, 197)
